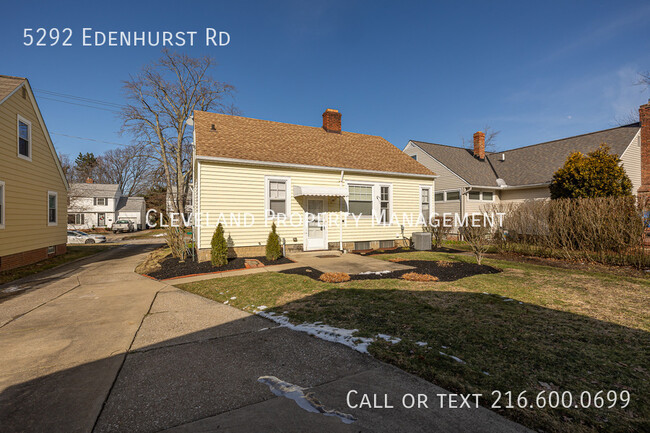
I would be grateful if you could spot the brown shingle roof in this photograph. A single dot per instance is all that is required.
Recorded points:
(530, 165)
(262, 140)
(8, 84)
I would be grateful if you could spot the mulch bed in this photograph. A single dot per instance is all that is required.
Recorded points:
(451, 272)
(171, 267)
(401, 250)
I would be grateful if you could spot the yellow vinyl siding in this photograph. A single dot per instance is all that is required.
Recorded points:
(226, 188)
(27, 183)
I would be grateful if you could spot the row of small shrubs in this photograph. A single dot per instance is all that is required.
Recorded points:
(608, 230)
(219, 246)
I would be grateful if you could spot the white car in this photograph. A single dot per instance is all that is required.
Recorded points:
(78, 237)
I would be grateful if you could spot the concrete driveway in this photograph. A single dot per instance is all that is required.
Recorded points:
(101, 348)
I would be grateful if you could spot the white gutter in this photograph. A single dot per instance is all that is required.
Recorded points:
(310, 167)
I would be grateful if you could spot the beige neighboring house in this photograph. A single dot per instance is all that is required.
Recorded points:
(33, 189)
(263, 172)
(472, 180)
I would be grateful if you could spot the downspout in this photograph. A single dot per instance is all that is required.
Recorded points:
(462, 206)
(341, 214)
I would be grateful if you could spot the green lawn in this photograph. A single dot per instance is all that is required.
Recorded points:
(73, 252)
(572, 330)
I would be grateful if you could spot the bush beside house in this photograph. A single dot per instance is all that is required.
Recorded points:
(219, 248)
(273, 245)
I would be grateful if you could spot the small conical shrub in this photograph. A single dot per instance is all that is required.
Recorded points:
(273, 246)
(219, 253)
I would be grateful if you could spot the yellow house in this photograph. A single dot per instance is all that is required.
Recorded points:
(33, 188)
(324, 188)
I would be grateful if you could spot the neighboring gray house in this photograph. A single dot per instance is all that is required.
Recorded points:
(471, 179)
(95, 205)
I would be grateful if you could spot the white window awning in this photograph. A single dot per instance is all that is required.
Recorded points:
(320, 191)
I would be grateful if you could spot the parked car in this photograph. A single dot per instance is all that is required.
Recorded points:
(123, 226)
(78, 237)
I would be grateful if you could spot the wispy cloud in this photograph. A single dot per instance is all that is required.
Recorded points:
(600, 34)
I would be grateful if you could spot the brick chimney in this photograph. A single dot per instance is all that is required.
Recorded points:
(644, 120)
(332, 121)
(89, 180)
(479, 145)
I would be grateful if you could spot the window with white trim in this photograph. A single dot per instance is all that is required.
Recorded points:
(452, 195)
(75, 218)
(277, 197)
(481, 195)
(51, 208)
(101, 201)
(24, 138)
(2, 204)
(384, 204)
(360, 200)
(425, 203)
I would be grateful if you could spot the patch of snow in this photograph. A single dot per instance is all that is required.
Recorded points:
(159, 235)
(445, 347)
(393, 340)
(508, 300)
(226, 302)
(375, 273)
(11, 289)
(421, 343)
(262, 307)
(306, 401)
(328, 333)
(234, 297)
(486, 373)
(455, 358)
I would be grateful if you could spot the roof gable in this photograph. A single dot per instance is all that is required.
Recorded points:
(8, 86)
(243, 138)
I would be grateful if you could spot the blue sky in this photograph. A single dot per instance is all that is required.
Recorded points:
(431, 71)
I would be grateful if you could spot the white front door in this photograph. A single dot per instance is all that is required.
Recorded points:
(315, 225)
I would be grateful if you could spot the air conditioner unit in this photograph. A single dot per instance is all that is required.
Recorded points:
(422, 241)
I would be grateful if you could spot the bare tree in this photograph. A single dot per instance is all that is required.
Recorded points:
(162, 97)
(491, 135)
(67, 166)
(644, 79)
(128, 166)
(628, 118)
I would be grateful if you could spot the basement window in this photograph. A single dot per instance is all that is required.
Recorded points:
(386, 244)
(365, 245)
(51, 250)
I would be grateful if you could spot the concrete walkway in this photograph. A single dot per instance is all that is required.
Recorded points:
(103, 349)
(334, 261)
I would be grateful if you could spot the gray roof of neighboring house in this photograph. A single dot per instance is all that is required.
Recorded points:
(527, 165)
(130, 204)
(94, 189)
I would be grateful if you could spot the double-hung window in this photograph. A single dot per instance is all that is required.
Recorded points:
(277, 197)
(75, 218)
(101, 201)
(425, 203)
(384, 204)
(2, 204)
(24, 138)
(51, 208)
(360, 200)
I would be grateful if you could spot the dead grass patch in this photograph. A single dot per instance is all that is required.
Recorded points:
(334, 277)
(414, 276)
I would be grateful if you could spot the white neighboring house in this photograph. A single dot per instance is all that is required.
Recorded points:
(95, 205)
